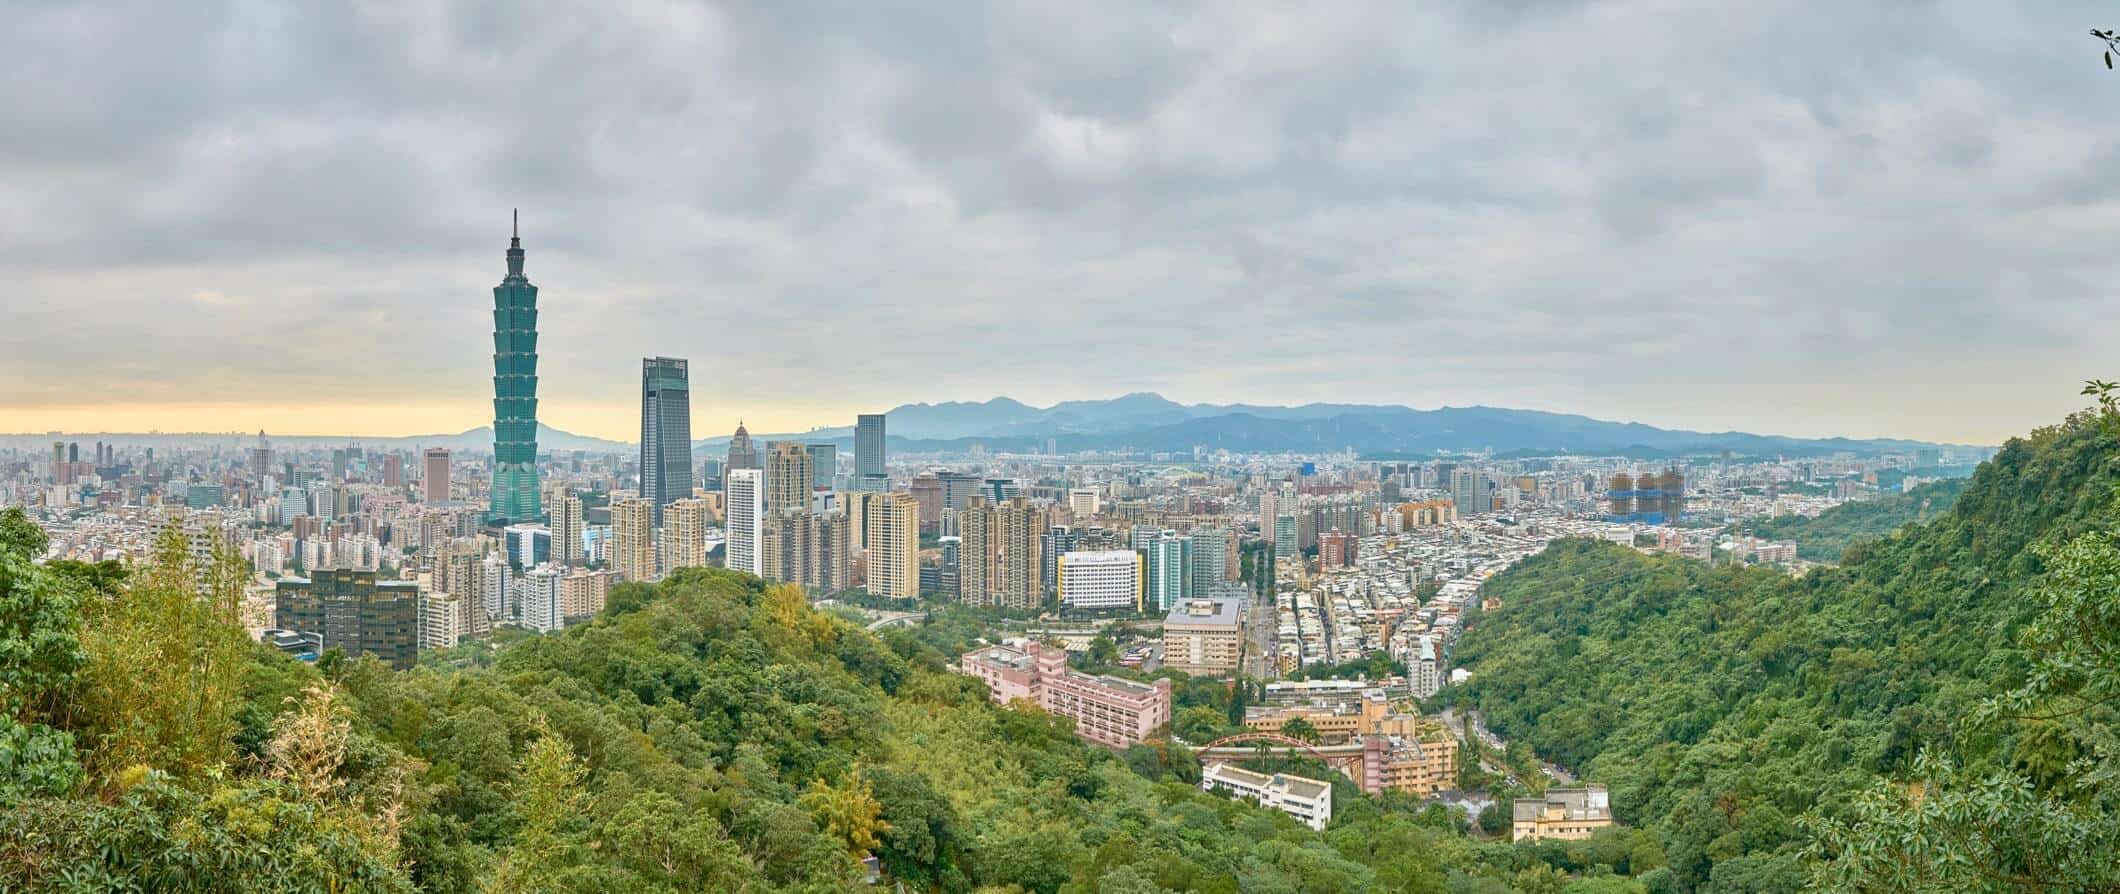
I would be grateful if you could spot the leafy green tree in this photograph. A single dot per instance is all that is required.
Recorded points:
(20, 536)
(1299, 728)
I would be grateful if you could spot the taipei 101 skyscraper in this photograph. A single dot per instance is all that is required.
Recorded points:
(515, 491)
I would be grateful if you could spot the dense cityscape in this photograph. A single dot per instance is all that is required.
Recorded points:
(1304, 573)
(1571, 447)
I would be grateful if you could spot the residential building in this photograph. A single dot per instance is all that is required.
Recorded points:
(893, 530)
(353, 611)
(975, 552)
(1308, 800)
(788, 477)
(514, 490)
(1107, 710)
(1212, 549)
(443, 618)
(808, 548)
(1016, 579)
(633, 540)
(1424, 667)
(1169, 562)
(537, 597)
(685, 533)
(744, 499)
(1566, 814)
(1101, 579)
(1204, 637)
(567, 524)
(1082, 503)
(582, 593)
(665, 433)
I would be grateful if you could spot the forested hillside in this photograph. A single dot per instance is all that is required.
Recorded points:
(1723, 704)
(1824, 538)
(709, 733)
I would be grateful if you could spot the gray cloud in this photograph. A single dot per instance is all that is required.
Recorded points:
(1800, 217)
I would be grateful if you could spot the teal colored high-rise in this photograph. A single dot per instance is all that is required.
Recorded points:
(515, 491)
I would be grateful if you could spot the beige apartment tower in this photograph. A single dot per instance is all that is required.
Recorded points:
(893, 528)
(633, 540)
(685, 525)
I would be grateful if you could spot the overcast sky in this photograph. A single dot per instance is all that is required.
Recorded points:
(1867, 218)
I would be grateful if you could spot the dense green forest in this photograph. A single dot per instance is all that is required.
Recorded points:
(1826, 537)
(1897, 723)
(708, 733)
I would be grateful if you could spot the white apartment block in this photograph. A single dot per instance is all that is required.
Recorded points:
(1308, 800)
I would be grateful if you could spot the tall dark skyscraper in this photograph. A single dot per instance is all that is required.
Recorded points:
(515, 492)
(868, 445)
(665, 433)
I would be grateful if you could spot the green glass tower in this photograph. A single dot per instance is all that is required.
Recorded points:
(515, 490)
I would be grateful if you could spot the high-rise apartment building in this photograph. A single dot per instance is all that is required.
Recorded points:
(633, 540)
(582, 592)
(808, 548)
(567, 524)
(665, 433)
(744, 500)
(893, 528)
(685, 533)
(976, 552)
(1018, 524)
(353, 611)
(1211, 548)
(1169, 561)
(788, 477)
(434, 475)
(515, 491)
(868, 445)
(393, 471)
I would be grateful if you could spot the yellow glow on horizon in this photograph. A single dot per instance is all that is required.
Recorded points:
(617, 421)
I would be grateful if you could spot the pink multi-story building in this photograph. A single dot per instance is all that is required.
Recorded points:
(1106, 710)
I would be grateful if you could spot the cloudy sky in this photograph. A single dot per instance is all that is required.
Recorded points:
(1878, 218)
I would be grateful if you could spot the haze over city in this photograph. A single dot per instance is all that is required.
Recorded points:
(1788, 218)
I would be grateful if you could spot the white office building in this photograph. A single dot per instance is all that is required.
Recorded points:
(1110, 578)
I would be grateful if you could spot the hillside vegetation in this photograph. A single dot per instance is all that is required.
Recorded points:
(1724, 706)
(708, 733)
(1825, 537)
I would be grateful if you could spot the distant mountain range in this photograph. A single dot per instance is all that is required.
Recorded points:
(1147, 422)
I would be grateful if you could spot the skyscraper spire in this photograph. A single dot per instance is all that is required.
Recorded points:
(515, 244)
(515, 492)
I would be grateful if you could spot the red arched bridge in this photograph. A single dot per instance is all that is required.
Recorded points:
(1347, 758)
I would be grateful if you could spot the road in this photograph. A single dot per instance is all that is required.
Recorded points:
(1496, 745)
(895, 619)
